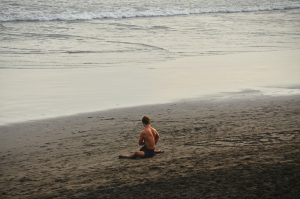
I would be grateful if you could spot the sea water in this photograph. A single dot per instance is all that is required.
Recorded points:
(64, 57)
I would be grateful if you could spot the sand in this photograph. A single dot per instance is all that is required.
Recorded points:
(222, 148)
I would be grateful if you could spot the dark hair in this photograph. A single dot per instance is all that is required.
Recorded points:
(146, 120)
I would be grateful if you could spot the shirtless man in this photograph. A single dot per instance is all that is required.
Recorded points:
(148, 139)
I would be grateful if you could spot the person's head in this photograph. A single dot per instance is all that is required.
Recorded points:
(146, 120)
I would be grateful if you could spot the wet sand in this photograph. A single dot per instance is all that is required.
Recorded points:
(233, 148)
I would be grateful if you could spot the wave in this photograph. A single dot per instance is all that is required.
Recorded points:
(32, 17)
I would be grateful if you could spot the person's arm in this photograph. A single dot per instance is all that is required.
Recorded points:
(141, 140)
(156, 136)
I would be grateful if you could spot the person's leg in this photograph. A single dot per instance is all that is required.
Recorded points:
(138, 154)
(158, 151)
(143, 148)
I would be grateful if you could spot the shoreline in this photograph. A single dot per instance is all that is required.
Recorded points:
(230, 148)
(223, 96)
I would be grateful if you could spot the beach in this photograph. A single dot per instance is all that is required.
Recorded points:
(219, 79)
(238, 147)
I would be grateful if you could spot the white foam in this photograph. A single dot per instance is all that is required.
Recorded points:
(28, 14)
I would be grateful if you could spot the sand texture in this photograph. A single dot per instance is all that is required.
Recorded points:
(238, 148)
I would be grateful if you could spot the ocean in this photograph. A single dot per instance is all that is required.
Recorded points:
(65, 57)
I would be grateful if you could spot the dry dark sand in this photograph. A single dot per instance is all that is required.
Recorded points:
(239, 148)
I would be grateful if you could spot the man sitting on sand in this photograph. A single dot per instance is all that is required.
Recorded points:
(148, 139)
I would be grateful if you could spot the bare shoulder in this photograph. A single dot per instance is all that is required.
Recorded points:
(154, 130)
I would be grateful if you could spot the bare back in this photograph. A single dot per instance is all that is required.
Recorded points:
(148, 137)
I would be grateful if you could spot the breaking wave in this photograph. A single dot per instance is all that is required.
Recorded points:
(130, 13)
